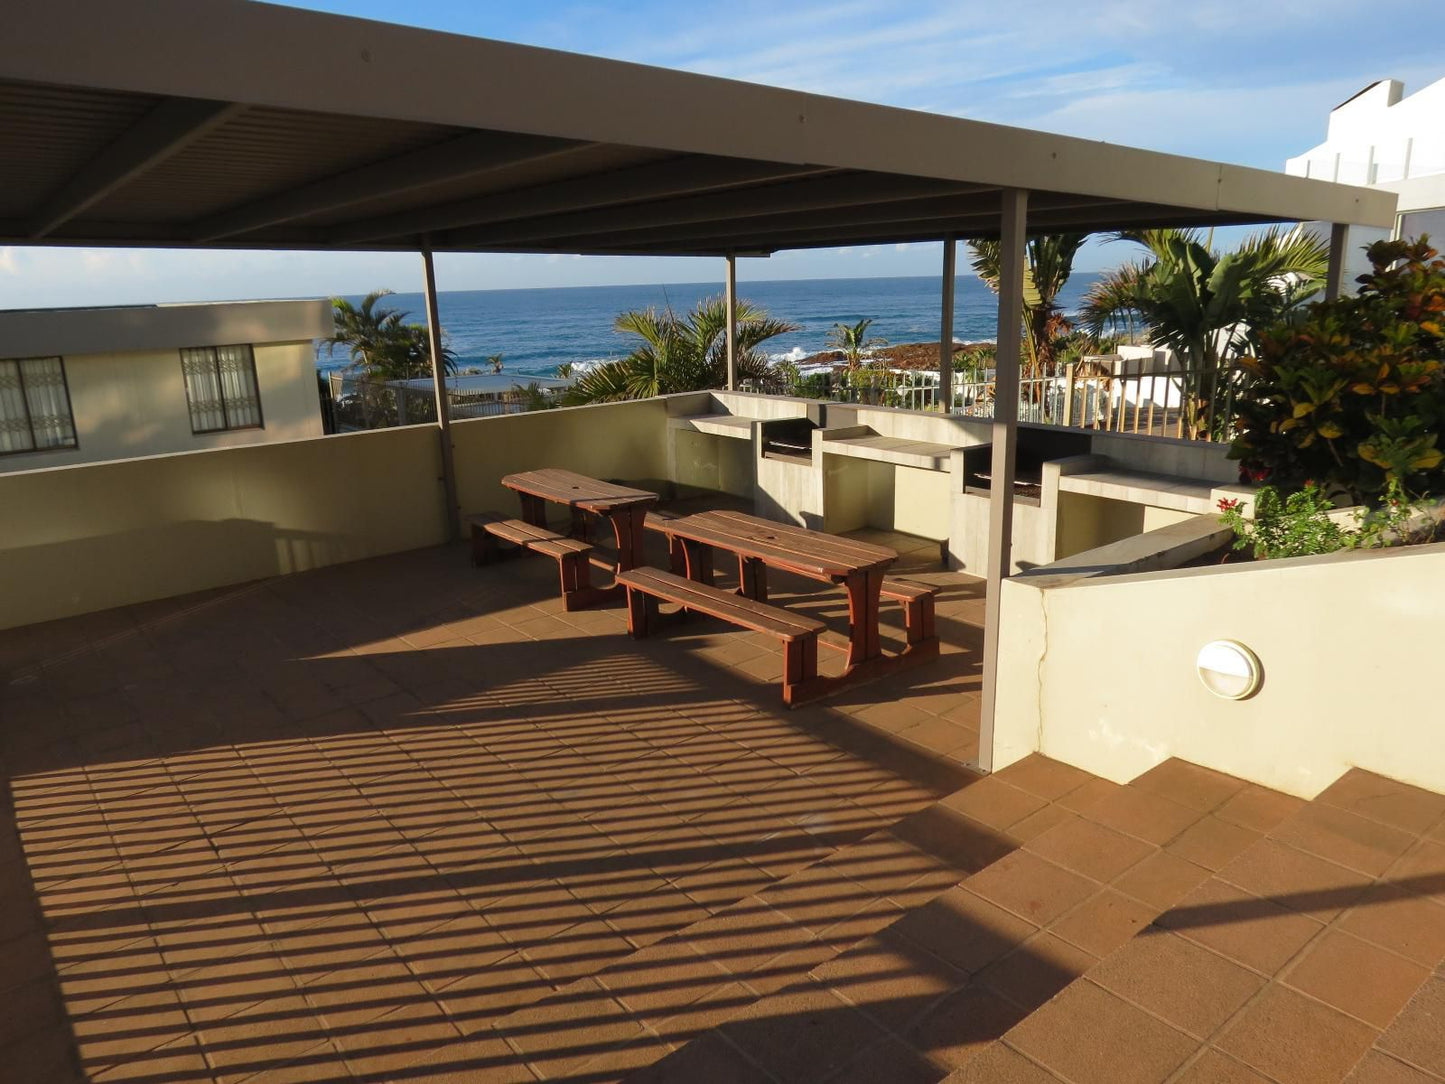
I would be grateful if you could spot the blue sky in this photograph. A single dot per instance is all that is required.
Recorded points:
(1223, 79)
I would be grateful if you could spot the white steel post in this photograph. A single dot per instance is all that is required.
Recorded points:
(945, 332)
(1014, 221)
(732, 317)
(444, 422)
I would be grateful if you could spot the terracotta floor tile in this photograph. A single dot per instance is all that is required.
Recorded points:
(1212, 843)
(1162, 879)
(889, 981)
(1421, 870)
(802, 1035)
(1357, 977)
(1244, 927)
(889, 1059)
(1104, 921)
(960, 1025)
(1385, 800)
(710, 1060)
(1189, 784)
(998, 1064)
(1090, 849)
(961, 928)
(1415, 1034)
(1411, 925)
(1189, 986)
(1031, 887)
(1049, 779)
(559, 1035)
(1296, 880)
(1036, 971)
(1378, 1068)
(1212, 1067)
(1259, 808)
(1139, 813)
(1345, 838)
(1036, 824)
(993, 802)
(1295, 1040)
(1089, 1036)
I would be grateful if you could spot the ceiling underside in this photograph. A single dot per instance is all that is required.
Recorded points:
(86, 166)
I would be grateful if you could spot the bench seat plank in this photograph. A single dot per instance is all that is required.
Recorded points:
(721, 604)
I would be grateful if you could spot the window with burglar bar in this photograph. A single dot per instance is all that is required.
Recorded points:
(34, 406)
(221, 388)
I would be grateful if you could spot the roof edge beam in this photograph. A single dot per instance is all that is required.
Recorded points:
(825, 194)
(464, 156)
(654, 180)
(168, 128)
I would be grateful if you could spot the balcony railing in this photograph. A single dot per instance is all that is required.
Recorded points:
(1101, 394)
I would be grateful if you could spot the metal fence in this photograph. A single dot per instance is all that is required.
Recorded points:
(357, 403)
(1106, 393)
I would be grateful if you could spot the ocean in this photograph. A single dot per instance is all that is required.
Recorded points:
(537, 330)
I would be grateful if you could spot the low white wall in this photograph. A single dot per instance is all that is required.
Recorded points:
(94, 536)
(1100, 673)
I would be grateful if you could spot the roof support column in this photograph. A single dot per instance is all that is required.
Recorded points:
(1014, 221)
(732, 318)
(439, 384)
(1335, 277)
(945, 333)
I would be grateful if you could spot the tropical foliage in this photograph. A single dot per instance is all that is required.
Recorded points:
(1205, 305)
(1353, 394)
(379, 341)
(854, 341)
(1050, 263)
(682, 353)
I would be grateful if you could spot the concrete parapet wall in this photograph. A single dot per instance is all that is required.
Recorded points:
(1101, 672)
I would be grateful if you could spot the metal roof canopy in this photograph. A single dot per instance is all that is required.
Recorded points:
(229, 124)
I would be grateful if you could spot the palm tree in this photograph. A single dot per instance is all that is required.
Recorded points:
(496, 362)
(379, 341)
(681, 354)
(1050, 263)
(1207, 306)
(853, 340)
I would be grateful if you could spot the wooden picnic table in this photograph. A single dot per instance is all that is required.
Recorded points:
(623, 507)
(761, 544)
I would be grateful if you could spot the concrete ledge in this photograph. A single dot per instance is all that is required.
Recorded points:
(1140, 487)
(719, 425)
(862, 442)
(1166, 547)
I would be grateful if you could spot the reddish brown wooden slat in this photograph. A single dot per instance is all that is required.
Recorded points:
(722, 604)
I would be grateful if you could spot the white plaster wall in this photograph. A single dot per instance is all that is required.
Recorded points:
(1100, 673)
(134, 404)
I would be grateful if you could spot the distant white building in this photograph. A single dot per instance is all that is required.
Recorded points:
(82, 385)
(1383, 139)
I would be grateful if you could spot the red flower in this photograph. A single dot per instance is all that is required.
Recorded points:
(1228, 504)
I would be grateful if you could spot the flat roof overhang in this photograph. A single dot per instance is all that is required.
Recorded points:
(231, 124)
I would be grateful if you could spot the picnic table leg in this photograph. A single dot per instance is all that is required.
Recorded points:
(753, 578)
(864, 590)
(699, 561)
(534, 510)
(627, 526)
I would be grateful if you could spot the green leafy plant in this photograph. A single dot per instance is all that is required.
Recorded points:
(1295, 526)
(1353, 394)
(682, 353)
(854, 341)
(1205, 305)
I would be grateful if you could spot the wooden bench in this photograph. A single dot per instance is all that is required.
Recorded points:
(799, 635)
(917, 599)
(573, 557)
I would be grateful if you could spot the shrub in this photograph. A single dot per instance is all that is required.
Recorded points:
(1353, 394)
(1295, 526)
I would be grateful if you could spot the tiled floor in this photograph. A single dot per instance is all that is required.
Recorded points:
(335, 824)
(407, 820)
